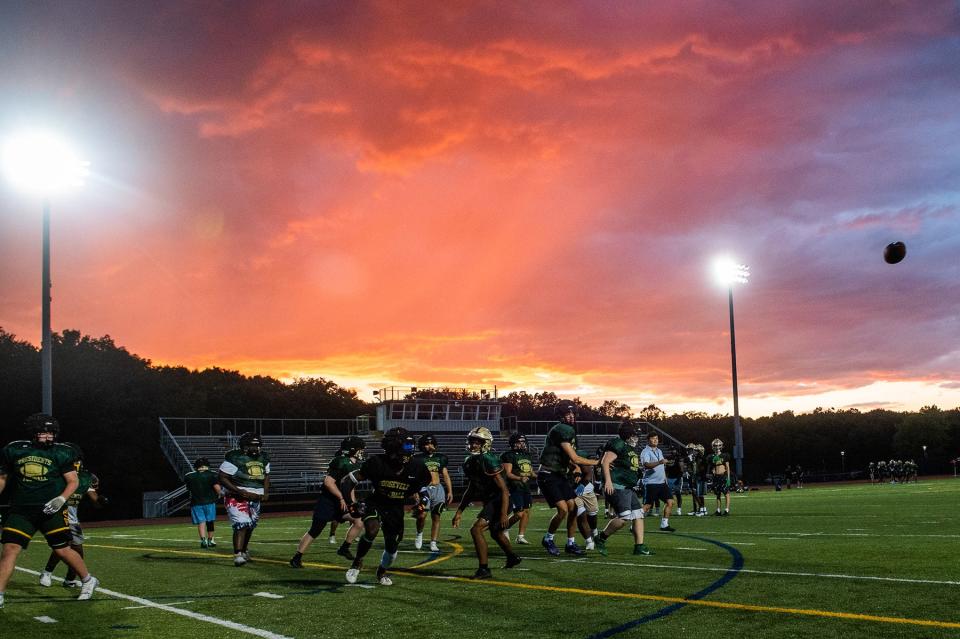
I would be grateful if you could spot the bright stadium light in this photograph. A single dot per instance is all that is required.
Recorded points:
(41, 163)
(728, 272)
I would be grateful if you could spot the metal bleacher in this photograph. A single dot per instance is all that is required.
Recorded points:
(299, 462)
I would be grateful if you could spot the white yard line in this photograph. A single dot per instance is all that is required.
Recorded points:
(172, 603)
(232, 625)
(46, 619)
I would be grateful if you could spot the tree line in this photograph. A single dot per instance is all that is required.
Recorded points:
(109, 400)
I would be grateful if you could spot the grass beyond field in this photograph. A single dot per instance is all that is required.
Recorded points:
(853, 561)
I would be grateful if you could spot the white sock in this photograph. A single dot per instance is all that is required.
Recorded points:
(571, 540)
(548, 536)
(664, 522)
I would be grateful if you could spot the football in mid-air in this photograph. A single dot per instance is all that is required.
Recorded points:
(894, 252)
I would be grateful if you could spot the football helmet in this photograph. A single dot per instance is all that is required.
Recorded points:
(565, 408)
(352, 446)
(429, 438)
(398, 443)
(716, 445)
(518, 442)
(42, 423)
(250, 444)
(482, 434)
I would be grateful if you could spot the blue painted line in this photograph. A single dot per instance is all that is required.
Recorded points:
(732, 572)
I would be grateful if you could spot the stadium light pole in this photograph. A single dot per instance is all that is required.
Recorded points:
(39, 162)
(728, 273)
(842, 455)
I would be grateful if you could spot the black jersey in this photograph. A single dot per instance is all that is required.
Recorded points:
(392, 485)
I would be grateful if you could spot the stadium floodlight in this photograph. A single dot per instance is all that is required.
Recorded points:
(728, 272)
(39, 162)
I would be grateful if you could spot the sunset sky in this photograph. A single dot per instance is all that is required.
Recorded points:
(526, 195)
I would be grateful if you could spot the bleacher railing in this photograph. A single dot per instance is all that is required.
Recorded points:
(172, 451)
(235, 426)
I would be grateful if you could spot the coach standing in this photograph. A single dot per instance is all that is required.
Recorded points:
(655, 480)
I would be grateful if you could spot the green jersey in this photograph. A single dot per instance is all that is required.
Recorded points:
(480, 470)
(553, 458)
(340, 466)
(435, 463)
(522, 466)
(35, 473)
(86, 485)
(625, 469)
(246, 472)
(200, 485)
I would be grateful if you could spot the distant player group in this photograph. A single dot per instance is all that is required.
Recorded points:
(895, 471)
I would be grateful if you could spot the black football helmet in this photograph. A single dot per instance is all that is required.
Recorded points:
(250, 443)
(565, 408)
(518, 442)
(352, 446)
(42, 423)
(428, 438)
(398, 443)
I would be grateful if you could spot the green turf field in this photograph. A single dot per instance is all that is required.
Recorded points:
(855, 561)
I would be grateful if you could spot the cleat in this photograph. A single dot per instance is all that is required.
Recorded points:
(692, 514)
(679, 512)
(641, 549)
(513, 560)
(352, 575)
(239, 559)
(434, 547)
(573, 549)
(296, 562)
(211, 543)
(344, 551)
(332, 540)
(87, 589)
(46, 579)
(601, 547)
(482, 573)
(522, 540)
(667, 529)
(590, 544)
(246, 555)
(726, 513)
(71, 583)
(418, 541)
(551, 547)
(717, 514)
(385, 580)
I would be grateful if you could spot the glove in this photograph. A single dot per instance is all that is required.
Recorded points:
(54, 505)
(357, 509)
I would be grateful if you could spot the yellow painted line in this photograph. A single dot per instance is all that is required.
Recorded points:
(457, 549)
(808, 612)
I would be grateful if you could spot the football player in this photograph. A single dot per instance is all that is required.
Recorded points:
(621, 472)
(331, 506)
(245, 474)
(395, 476)
(586, 501)
(89, 487)
(558, 459)
(41, 477)
(486, 484)
(204, 491)
(718, 466)
(518, 471)
(437, 496)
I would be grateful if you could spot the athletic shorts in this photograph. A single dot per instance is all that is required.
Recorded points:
(624, 502)
(437, 498)
(390, 517)
(491, 513)
(22, 522)
(719, 485)
(555, 488)
(241, 513)
(520, 500)
(327, 509)
(203, 513)
(654, 492)
(588, 502)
